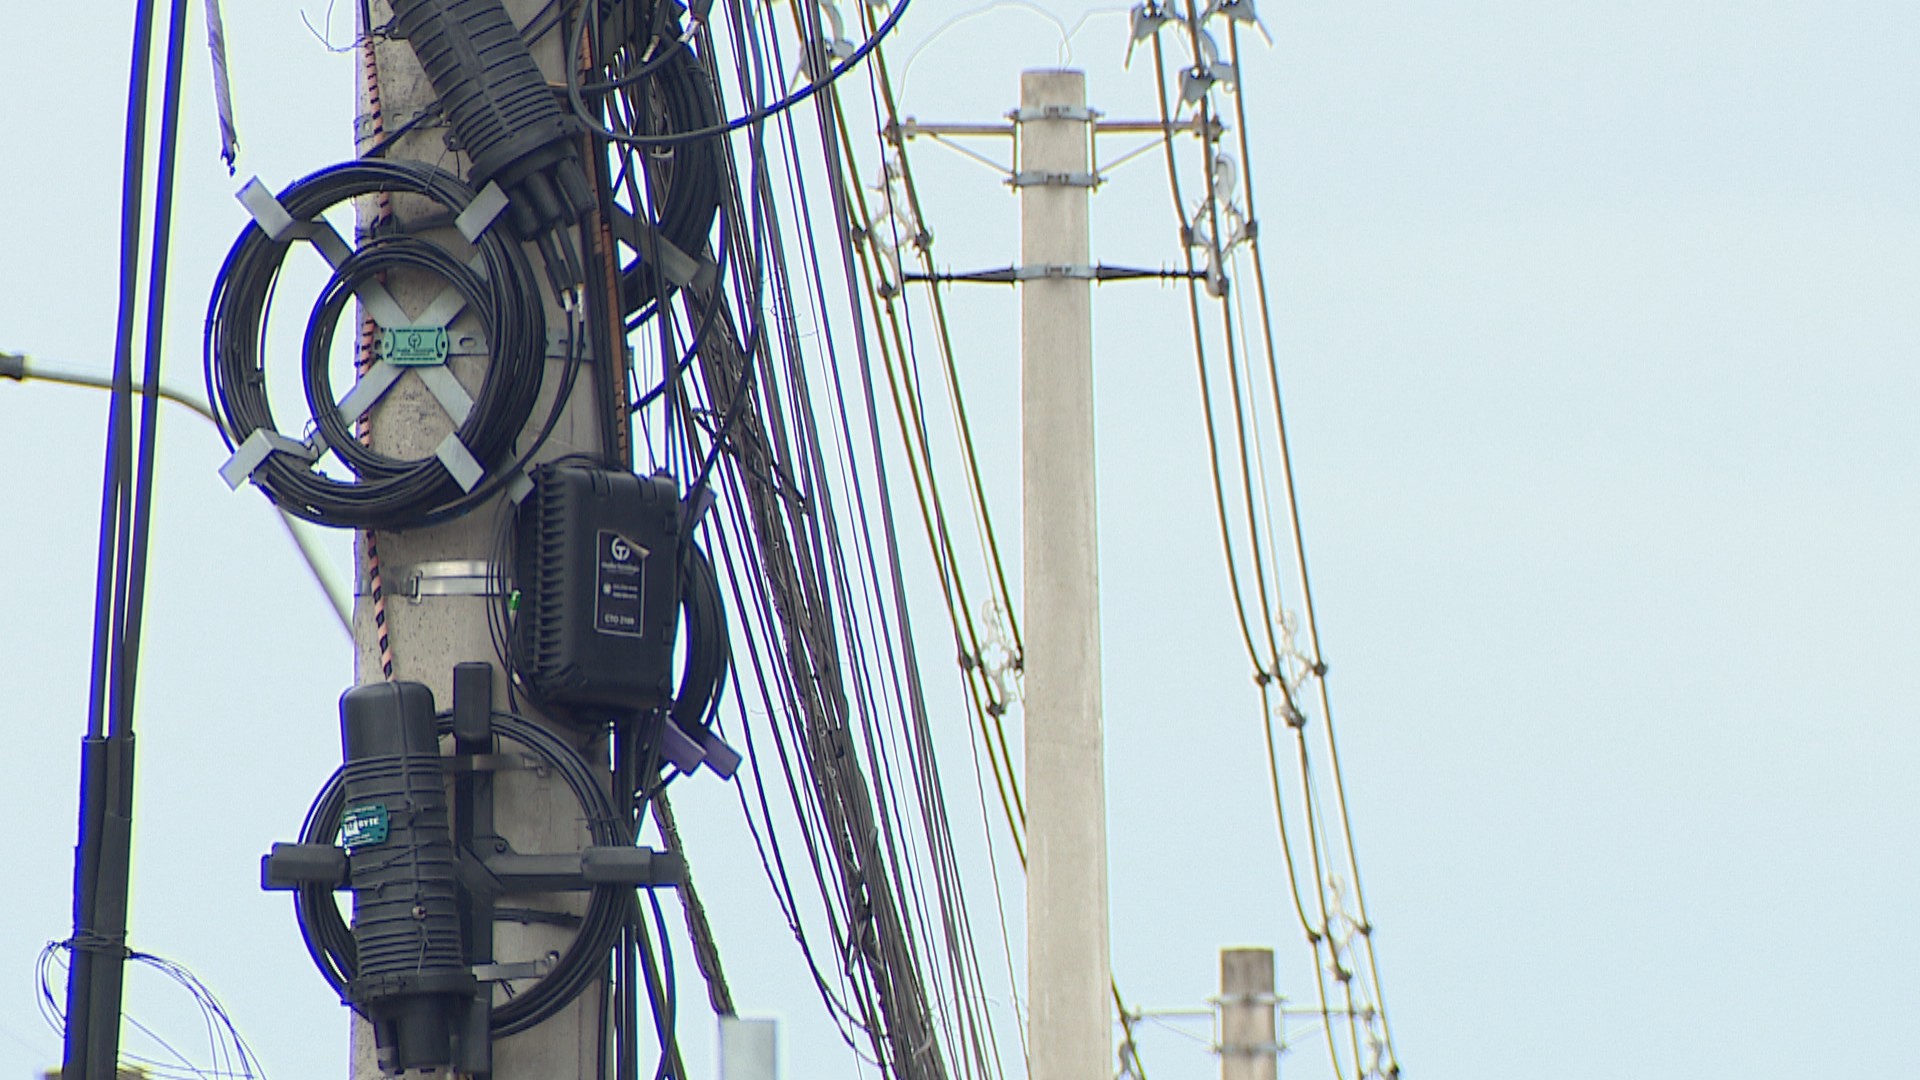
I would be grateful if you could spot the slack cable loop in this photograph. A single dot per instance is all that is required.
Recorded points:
(495, 283)
(737, 123)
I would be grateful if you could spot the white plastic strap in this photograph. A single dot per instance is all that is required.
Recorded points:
(253, 453)
(460, 462)
(481, 211)
(447, 391)
(267, 212)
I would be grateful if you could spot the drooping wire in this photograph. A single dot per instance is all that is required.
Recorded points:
(1289, 668)
(1299, 542)
(748, 119)
(229, 1057)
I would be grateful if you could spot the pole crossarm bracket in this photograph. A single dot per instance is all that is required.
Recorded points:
(1013, 275)
(1043, 178)
(1078, 113)
(912, 127)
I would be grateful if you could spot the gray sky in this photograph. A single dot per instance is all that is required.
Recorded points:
(1597, 333)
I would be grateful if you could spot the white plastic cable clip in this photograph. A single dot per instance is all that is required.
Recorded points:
(460, 462)
(481, 212)
(254, 452)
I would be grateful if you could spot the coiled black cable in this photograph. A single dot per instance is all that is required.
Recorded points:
(658, 85)
(709, 649)
(387, 492)
(609, 907)
(748, 119)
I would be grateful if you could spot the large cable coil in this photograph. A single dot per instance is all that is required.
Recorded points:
(496, 284)
(653, 83)
(331, 942)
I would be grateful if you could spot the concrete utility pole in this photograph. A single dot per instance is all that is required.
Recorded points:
(427, 636)
(1249, 1032)
(1070, 1016)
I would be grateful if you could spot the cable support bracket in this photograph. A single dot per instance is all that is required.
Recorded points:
(1250, 1049)
(910, 127)
(680, 267)
(418, 343)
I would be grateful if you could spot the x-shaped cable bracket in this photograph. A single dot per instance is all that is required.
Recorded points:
(416, 343)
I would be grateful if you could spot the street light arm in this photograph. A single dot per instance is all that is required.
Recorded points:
(19, 367)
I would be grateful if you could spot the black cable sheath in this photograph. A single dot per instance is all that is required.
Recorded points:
(103, 851)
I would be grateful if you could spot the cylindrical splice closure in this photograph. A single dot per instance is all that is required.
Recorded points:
(411, 981)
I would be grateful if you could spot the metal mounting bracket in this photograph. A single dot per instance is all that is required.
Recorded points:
(1078, 113)
(280, 226)
(1042, 178)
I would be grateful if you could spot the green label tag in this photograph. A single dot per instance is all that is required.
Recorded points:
(414, 346)
(363, 826)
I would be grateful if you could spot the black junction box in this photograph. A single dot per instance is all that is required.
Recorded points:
(597, 565)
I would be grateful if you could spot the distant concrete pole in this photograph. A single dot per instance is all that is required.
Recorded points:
(748, 1049)
(1068, 975)
(1249, 1031)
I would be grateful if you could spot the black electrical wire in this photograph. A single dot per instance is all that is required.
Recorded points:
(103, 849)
(330, 942)
(748, 119)
(387, 493)
(669, 91)
(709, 646)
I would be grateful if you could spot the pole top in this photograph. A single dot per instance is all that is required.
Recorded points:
(1057, 86)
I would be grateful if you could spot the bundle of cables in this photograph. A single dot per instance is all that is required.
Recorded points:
(498, 287)
(651, 83)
